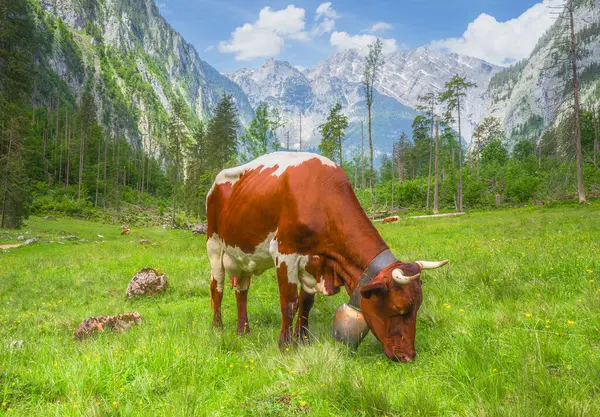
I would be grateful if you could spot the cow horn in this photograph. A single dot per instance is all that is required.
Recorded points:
(431, 265)
(402, 279)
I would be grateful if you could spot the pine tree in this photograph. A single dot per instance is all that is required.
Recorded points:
(259, 137)
(374, 62)
(222, 134)
(16, 74)
(333, 132)
(456, 90)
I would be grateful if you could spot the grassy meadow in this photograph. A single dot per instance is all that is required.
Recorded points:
(510, 328)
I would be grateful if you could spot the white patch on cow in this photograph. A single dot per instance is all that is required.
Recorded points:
(281, 160)
(214, 250)
(237, 263)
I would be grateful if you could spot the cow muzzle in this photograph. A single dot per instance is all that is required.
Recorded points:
(349, 326)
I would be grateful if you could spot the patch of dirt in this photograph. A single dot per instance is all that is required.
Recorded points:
(10, 246)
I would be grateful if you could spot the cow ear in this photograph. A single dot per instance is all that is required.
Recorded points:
(376, 288)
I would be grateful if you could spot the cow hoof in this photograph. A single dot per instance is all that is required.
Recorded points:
(243, 330)
(302, 338)
(217, 324)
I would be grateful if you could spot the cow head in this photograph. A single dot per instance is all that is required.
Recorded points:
(390, 304)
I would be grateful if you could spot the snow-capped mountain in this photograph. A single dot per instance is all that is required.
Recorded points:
(404, 76)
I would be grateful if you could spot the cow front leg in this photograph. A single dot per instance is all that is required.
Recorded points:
(216, 297)
(242, 285)
(288, 301)
(217, 278)
(306, 302)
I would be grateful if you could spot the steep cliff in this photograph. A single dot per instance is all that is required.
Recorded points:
(134, 63)
(533, 94)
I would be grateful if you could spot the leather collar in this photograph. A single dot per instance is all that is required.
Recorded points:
(378, 264)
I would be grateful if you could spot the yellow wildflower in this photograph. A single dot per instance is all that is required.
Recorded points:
(302, 403)
(528, 315)
(570, 322)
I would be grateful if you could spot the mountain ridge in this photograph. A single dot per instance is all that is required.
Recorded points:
(404, 77)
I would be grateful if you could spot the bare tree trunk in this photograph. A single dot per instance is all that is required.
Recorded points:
(355, 175)
(580, 186)
(44, 159)
(371, 155)
(400, 161)
(68, 167)
(97, 176)
(143, 164)
(436, 208)
(81, 151)
(460, 190)
(430, 157)
(478, 152)
(540, 151)
(429, 176)
(341, 156)
(105, 164)
(300, 148)
(149, 170)
(60, 170)
(57, 130)
(596, 119)
(362, 154)
(393, 175)
(5, 197)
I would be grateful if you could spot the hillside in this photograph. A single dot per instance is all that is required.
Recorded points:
(134, 63)
(530, 96)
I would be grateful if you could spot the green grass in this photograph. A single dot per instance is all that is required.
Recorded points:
(510, 328)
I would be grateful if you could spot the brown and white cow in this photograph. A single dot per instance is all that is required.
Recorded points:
(297, 212)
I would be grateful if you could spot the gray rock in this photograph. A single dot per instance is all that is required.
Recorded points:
(199, 229)
(28, 241)
(147, 282)
(15, 344)
(20, 238)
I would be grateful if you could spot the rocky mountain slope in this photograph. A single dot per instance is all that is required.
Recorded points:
(532, 95)
(133, 61)
(404, 77)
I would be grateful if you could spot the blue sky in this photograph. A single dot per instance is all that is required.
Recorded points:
(244, 33)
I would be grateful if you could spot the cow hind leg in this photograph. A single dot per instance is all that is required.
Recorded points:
(242, 285)
(305, 304)
(288, 301)
(216, 297)
(217, 278)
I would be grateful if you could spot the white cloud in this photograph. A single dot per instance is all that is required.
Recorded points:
(343, 41)
(266, 36)
(209, 48)
(503, 42)
(325, 18)
(325, 10)
(299, 68)
(325, 26)
(379, 27)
